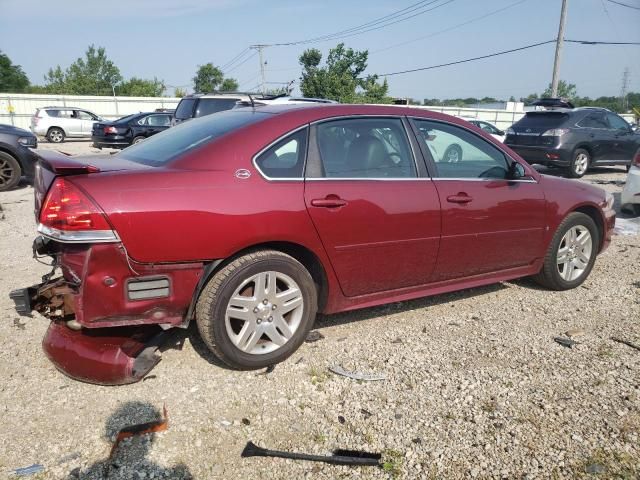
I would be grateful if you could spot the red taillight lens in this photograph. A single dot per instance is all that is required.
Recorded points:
(636, 160)
(35, 121)
(67, 208)
(110, 130)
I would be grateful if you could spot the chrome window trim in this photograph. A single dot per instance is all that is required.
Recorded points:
(82, 236)
(372, 179)
(360, 116)
(282, 137)
(461, 179)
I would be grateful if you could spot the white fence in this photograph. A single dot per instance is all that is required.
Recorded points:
(17, 109)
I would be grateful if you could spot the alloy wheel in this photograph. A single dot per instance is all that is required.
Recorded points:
(581, 164)
(574, 253)
(6, 172)
(264, 312)
(56, 136)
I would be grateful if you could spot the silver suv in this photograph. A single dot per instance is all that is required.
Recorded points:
(58, 123)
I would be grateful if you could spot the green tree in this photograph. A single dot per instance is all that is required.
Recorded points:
(179, 92)
(341, 78)
(139, 87)
(565, 90)
(12, 77)
(210, 78)
(229, 85)
(94, 74)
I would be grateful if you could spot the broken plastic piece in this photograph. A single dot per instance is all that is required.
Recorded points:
(366, 377)
(31, 470)
(141, 429)
(313, 336)
(565, 342)
(339, 457)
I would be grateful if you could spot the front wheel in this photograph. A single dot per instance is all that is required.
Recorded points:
(10, 172)
(571, 254)
(580, 163)
(257, 310)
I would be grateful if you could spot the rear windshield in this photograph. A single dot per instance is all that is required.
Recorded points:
(176, 141)
(207, 106)
(185, 108)
(542, 120)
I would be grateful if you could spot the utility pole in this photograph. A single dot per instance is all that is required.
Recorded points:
(556, 63)
(262, 76)
(624, 89)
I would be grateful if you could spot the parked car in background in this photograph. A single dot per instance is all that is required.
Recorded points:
(630, 198)
(199, 105)
(252, 220)
(576, 139)
(490, 128)
(17, 158)
(58, 123)
(129, 130)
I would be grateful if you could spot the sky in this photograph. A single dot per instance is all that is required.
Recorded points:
(168, 39)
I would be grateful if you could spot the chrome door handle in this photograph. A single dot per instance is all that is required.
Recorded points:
(460, 198)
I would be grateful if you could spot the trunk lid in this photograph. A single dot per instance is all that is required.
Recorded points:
(52, 164)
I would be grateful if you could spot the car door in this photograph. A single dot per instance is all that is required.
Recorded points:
(156, 123)
(624, 143)
(86, 120)
(376, 211)
(595, 130)
(489, 223)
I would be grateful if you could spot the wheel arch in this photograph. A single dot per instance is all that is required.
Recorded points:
(58, 127)
(304, 255)
(594, 213)
(583, 146)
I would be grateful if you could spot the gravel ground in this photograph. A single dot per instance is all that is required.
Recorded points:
(476, 387)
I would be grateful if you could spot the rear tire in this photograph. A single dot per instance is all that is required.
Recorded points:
(138, 139)
(55, 135)
(558, 275)
(247, 329)
(580, 163)
(10, 172)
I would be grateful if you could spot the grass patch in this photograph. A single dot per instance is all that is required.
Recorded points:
(392, 462)
(604, 464)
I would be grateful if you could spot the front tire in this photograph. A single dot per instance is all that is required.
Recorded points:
(10, 172)
(580, 163)
(571, 254)
(55, 135)
(257, 310)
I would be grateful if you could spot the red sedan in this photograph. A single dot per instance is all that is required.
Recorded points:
(253, 220)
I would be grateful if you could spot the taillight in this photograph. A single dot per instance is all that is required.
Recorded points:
(110, 130)
(70, 215)
(35, 121)
(555, 132)
(636, 160)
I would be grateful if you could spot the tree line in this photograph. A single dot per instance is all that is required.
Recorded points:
(342, 78)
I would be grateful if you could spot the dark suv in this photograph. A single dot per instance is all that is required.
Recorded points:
(16, 155)
(577, 139)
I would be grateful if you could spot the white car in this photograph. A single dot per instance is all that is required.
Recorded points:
(58, 123)
(630, 198)
(490, 128)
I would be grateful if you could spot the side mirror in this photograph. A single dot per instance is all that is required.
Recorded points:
(515, 171)
(635, 128)
(500, 132)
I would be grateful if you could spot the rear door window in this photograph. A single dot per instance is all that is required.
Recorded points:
(594, 120)
(365, 148)
(207, 106)
(617, 123)
(185, 108)
(286, 158)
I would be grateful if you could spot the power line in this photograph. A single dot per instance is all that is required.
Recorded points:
(386, 21)
(234, 59)
(475, 19)
(241, 63)
(593, 42)
(624, 4)
(431, 67)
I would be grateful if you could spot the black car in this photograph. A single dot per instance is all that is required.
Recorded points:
(577, 139)
(16, 157)
(129, 130)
